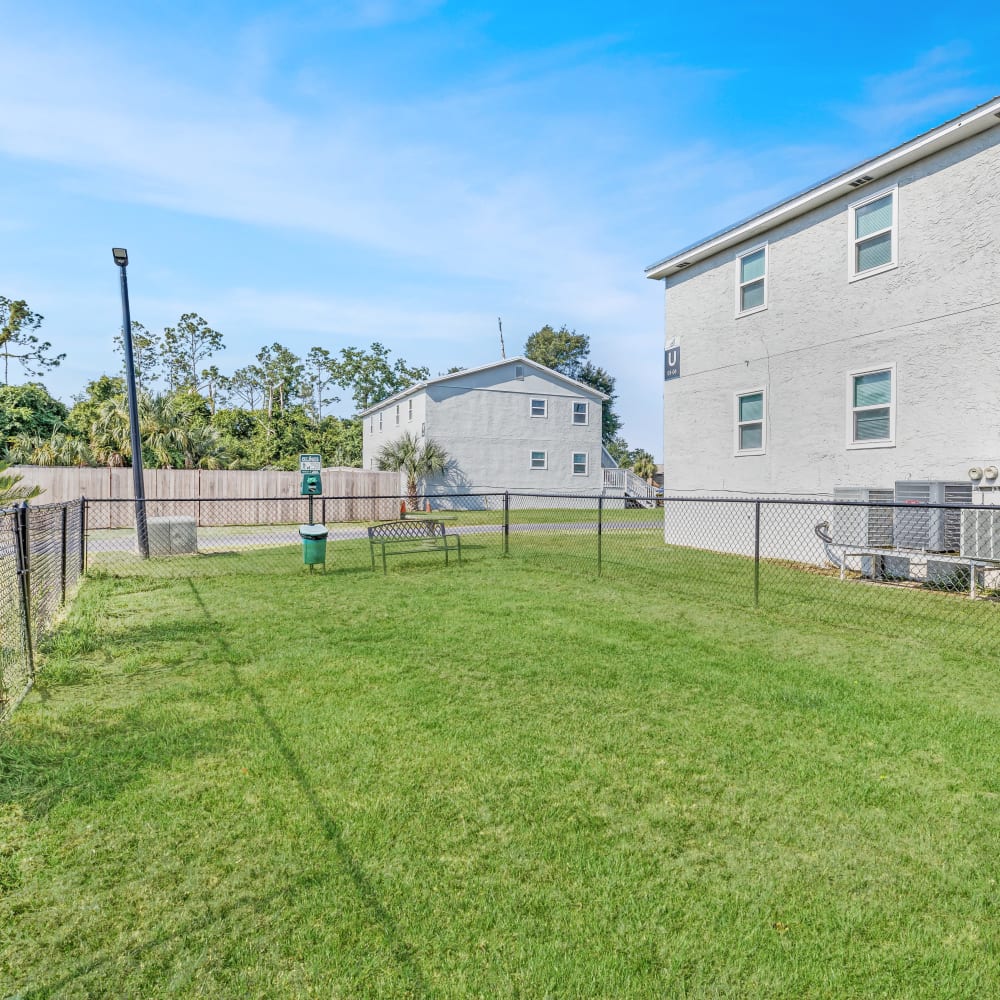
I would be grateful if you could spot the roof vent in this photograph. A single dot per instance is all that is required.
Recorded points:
(861, 181)
(996, 114)
(683, 264)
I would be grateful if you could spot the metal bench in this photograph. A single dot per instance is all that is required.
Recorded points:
(416, 536)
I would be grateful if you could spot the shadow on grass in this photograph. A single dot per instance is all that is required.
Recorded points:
(401, 951)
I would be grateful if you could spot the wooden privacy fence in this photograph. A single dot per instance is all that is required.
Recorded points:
(254, 496)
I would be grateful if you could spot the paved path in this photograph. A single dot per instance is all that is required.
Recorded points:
(266, 536)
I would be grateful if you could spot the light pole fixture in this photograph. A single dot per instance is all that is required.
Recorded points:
(142, 534)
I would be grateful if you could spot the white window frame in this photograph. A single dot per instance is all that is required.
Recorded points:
(890, 441)
(738, 424)
(586, 413)
(531, 408)
(740, 311)
(531, 460)
(574, 463)
(853, 274)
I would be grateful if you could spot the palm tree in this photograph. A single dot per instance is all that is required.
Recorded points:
(109, 434)
(203, 449)
(11, 492)
(59, 448)
(645, 468)
(416, 459)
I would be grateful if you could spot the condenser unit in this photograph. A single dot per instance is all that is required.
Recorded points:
(932, 529)
(981, 533)
(862, 527)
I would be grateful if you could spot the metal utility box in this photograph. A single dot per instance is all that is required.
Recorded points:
(312, 485)
(862, 527)
(981, 534)
(313, 544)
(918, 526)
(171, 536)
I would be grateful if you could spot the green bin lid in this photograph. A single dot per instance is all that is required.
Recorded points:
(313, 530)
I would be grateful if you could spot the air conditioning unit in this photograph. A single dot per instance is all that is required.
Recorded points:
(981, 533)
(858, 526)
(932, 529)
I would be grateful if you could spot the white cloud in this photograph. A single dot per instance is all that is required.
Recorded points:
(932, 88)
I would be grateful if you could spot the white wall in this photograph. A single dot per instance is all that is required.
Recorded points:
(936, 317)
(483, 421)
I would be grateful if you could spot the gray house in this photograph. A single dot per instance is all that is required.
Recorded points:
(511, 425)
(848, 336)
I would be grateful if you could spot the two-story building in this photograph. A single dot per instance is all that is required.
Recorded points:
(848, 336)
(511, 425)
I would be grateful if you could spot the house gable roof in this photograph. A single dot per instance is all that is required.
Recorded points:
(581, 387)
(972, 122)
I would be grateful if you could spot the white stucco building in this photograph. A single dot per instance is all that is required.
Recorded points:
(848, 336)
(512, 425)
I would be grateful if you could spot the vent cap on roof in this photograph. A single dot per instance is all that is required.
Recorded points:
(683, 264)
(861, 181)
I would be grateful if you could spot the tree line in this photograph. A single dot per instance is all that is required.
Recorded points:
(193, 414)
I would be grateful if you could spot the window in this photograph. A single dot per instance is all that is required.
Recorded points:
(873, 234)
(380, 421)
(871, 406)
(539, 460)
(751, 281)
(580, 413)
(519, 372)
(397, 414)
(750, 423)
(538, 408)
(579, 463)
(409, 415)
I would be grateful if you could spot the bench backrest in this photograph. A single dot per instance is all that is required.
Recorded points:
(390, 530)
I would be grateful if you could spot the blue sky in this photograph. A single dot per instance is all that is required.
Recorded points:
(334, 174)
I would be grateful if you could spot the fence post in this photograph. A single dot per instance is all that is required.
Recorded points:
(756, 554)
(600, 533)
(23, 558)
(83, 535)
(62, 561)
(323, 513)
(506, 523)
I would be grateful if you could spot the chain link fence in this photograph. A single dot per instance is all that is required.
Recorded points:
(896, 568)
(891, 568)
(42, 557)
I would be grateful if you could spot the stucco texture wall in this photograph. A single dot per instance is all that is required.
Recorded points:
(935, 317)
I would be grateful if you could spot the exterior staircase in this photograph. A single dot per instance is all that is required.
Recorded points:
(625, 483)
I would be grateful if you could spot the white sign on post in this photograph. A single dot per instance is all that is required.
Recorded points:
(310, 463)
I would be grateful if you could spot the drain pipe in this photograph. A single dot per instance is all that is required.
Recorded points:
(822, 531)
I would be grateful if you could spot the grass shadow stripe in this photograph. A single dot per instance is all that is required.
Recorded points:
(398, 947)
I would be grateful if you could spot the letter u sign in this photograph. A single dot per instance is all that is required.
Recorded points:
(671, 363)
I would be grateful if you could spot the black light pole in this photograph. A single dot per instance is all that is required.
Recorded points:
(121, 259)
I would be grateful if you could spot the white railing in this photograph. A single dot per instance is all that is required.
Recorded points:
(628, 482)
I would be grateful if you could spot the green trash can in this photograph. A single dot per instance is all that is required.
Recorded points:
(313, 544)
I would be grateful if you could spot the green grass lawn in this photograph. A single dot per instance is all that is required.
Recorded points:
(500, 779)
